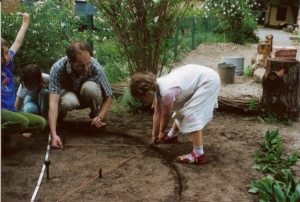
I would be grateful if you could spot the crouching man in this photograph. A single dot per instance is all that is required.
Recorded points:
(77, 81)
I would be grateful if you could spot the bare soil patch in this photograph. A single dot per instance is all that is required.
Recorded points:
(151, 174)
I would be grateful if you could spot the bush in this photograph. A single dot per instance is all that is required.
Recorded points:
(51, 29)
(235, 18)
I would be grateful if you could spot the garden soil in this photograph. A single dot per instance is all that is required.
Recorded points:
(116, 163)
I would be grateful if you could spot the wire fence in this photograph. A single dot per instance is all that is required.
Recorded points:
(189, 33)
(195, 30)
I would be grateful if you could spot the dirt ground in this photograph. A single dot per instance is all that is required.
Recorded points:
(133, 171)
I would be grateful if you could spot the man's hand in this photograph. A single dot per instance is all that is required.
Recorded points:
(56, 142)
(97, 122)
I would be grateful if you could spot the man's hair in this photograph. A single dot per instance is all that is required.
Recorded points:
(31, 74)
(76, 47)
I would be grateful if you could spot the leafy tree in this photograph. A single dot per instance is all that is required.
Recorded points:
(143, 28)
(52, 27)
(235, 17)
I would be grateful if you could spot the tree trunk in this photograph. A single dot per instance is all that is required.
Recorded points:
(281, 90)
(239, 105)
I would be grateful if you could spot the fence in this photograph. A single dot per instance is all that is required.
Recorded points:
(189, 31)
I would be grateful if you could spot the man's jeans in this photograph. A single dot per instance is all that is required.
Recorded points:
(39, 105)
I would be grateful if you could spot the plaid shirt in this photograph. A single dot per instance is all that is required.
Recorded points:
(63, 77)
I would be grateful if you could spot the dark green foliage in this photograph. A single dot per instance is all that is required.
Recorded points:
(281, 185)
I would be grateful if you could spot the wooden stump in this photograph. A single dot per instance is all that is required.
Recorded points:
(264, 49)
(269, 40)
(281, 87)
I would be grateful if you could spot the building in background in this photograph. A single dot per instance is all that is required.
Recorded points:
(81, 6)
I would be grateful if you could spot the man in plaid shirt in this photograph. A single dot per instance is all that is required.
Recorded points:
(77, 81)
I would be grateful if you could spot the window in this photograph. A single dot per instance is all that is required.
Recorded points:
(82, 7)
(281, 13)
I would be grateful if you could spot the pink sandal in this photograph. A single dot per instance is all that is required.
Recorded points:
(196, 160)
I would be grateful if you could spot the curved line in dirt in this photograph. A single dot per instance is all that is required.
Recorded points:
(180, 178)
(42, 172)
(181, 181)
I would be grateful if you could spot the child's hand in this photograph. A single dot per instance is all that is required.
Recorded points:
(161, 135)
(26, 18)
(155, 140)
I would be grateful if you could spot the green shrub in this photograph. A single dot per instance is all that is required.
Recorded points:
(235, 18)
(248, 71)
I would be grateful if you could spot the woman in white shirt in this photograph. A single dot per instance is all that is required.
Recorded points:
(33, 91)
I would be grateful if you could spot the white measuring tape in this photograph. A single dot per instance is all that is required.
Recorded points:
(42, 172)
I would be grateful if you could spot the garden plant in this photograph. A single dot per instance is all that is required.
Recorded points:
(279, 185)
(235, 17)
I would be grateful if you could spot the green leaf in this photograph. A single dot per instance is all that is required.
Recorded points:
(260, 120)
(291, 198)
(250, 118)
(268, 135)
(268, 185)
(278, 193)
(297, 192)
(252, 104)
(253, 190)
(257, 166)
(269, 158)
(263, 195)
(256, 157)
(294, 157)
(274, 133)
(272, 170)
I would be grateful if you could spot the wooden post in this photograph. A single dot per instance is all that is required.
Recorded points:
(281, 89)
(269, 40)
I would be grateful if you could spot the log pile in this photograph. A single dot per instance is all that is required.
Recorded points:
(284, 53)
(259, 61)
(118, 89)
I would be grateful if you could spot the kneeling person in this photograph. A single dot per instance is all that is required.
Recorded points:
(77, 81)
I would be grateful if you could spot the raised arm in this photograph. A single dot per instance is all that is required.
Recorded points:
(21, 34)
